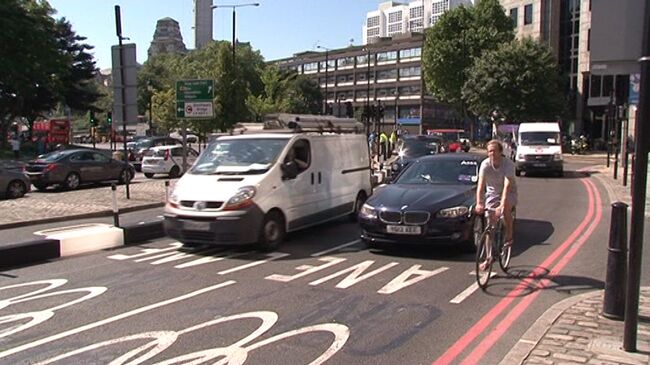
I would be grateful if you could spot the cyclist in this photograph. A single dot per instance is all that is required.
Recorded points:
(497, 190)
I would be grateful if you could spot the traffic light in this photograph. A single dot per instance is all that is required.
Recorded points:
(93, 121)
(109, 118)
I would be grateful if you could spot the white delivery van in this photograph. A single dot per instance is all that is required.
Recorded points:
(253, 188)
(539, 148)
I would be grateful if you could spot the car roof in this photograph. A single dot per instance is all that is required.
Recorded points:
(169, 147)
(460, 156)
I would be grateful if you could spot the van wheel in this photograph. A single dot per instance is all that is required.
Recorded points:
(358, 203)
(272, 232)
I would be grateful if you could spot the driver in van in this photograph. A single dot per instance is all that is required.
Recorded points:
(292, 156)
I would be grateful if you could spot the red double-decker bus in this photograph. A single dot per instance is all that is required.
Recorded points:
(52, 131)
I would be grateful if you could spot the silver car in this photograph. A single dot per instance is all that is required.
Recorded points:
(13, 182)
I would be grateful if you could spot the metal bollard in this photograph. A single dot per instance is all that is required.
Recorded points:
(166, 191)
(116, 216)
(615, 282)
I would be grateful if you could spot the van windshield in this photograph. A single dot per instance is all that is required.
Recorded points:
(238, 156)
(540, 139)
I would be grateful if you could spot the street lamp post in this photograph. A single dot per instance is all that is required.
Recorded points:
(368, 90)
(327, 66)
(233, 7)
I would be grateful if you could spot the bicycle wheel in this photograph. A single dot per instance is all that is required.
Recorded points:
(483, 273)
(504, 252)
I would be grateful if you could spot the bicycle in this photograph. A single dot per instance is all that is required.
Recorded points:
(492, 235)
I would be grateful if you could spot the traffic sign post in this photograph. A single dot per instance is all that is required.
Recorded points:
(193, 100)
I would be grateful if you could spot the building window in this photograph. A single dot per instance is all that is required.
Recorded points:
(528, 14)
(595, 86)
(394, 28)
(416, 12)
(312, 66)
(608, 85)
(387, 75)
(345, 61)
(373, 22)
(395, 17)
(387, 56)
(331, 65)
(409, 72)
(362, 60)
(410, 53)
(589, 39)
(416, 25)
(410, 90)
(439, 7)
(514, 14)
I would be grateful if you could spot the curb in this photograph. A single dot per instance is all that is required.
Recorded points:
(519, 353)
(32, 252)
(101, 213)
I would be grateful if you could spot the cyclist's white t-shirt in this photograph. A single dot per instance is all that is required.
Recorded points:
(494, 181)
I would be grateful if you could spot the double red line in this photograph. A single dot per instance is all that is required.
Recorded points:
(571, 245)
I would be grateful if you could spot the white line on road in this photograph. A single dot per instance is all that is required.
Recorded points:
(335, 248)
(467, 292)
(274, 256)
(118, 317)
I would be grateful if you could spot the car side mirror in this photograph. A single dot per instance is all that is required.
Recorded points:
(289, 170)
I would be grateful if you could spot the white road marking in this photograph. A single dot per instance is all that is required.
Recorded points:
(355, 275)
(307, 269)
(145, 252)
(467, 292)
(118, 317)
(273, 256)
(402, 280)
(335, 248)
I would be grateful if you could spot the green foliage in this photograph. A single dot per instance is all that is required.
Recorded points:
(520, 79)
(453, 44)
(164, 109)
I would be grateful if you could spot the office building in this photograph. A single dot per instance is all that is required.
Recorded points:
(167, 38)
(202, 23)
(387, 72)
(392, 18)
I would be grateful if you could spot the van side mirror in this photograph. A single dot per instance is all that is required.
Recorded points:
(289, 170)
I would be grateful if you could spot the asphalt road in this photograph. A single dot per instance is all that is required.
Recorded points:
(323, 296)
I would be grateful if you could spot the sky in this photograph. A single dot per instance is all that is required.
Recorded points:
(277, 28)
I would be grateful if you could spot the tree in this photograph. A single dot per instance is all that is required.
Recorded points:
(520, 79)
(459, 37)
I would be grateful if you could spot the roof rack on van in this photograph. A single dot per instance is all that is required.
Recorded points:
(312, 123)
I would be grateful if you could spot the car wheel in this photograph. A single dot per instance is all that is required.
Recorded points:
(358, 203)
(174, 172)
(272, 231)
(16, 189)
(72, 181)
(148, 175)
(40, 187)
(125, 176)
(517, 172)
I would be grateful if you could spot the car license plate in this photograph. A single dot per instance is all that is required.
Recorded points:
(404, 229)
(539, 164)
(196, 226)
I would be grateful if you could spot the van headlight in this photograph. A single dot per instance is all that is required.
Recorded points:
(557, 157)
(454, 212)
(520, 157)
(368, 212)
(242, 199)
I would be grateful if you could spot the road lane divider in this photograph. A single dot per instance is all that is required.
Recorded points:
(74, 240)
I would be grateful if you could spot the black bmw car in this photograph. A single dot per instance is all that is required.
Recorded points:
(430, 202)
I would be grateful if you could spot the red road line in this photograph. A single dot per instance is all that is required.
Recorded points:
(491, 338)
(461, 344)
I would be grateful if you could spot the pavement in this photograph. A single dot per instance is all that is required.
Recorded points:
(573, 331)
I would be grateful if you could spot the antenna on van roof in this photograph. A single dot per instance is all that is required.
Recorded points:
(312, 123)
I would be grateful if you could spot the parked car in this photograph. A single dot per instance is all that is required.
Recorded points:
(189, 136)
(431, 202)
(410, 147)
(71, 168)
(138, 151)
(167, 160)
(13, 182)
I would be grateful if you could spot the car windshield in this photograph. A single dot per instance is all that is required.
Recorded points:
(418, 147)
(238, 156)
(540, 138)
(440, 171)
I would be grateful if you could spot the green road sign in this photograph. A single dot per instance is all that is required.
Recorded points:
(194, 90)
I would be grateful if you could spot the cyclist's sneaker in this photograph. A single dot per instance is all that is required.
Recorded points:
(485, 264)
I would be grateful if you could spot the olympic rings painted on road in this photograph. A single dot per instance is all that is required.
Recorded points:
(234, 354)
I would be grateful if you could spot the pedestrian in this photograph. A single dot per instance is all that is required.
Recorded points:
(15, 146)
(393, 139)
(383, 141)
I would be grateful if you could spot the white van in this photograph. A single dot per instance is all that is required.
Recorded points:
(253, 188)
(539, 148)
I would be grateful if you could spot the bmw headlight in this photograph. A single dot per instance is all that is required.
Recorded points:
(557, 157)
(454, 212)
(242, 199)
(368, 212)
